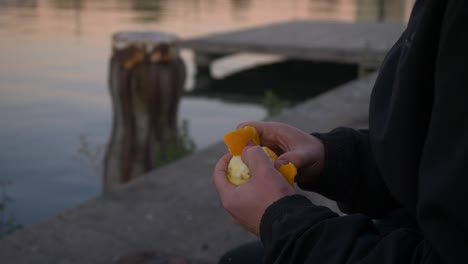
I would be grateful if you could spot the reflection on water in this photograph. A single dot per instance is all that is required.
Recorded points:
(149, 10)
(19, 4)
(195, 17)
(395, 10)
(74, 5)
(53, 80)
(240, 7)
(325, 6)
(68, 4)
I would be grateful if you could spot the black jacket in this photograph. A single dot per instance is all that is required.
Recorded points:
(409, 170)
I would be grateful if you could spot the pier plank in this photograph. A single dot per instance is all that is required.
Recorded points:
(361, 43)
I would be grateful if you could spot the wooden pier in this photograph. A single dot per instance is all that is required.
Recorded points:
(350, 43)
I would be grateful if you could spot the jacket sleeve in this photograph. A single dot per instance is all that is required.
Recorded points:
(293, 230)
(350, 175)
(443, 171)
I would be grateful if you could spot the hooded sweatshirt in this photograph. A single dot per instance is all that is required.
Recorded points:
(403, 183)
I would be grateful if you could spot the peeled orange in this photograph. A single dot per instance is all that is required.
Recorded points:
(238, 172)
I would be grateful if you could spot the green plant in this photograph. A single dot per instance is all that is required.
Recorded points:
(8, 222)
(176, 145)
(273, 103)
(90, 154)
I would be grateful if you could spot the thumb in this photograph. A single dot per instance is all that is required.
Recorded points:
(257, 161)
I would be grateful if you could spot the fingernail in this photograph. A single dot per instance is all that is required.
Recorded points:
(250, 143)
(241, 125)
(280, 162)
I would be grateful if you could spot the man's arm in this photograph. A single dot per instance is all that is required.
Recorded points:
(350, 175)
(293, 230)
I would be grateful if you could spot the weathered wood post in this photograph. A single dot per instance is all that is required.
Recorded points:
(146, 81)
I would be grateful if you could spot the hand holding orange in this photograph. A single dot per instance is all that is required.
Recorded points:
(238, 172)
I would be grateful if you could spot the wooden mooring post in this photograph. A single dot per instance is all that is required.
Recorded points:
(146, 81)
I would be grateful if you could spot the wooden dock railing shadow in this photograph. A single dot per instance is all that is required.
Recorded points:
(363, 44)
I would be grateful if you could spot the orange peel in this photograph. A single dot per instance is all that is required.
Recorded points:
(238, 173)
(238, 139)
(289, 172)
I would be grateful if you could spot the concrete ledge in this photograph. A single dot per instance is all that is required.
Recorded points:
(173, 210)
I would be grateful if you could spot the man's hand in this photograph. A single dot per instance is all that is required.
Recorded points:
(293, 145)
(247, 203)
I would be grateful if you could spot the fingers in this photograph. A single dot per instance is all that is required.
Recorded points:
(297, 157)
(290, 143)
(271, 134)
(264, 175)
(257, 161)
(261, 127)
(219, 176)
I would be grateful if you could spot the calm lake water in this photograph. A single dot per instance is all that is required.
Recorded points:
(53, 90)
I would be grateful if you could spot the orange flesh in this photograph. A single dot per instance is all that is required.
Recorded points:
(270, 153)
